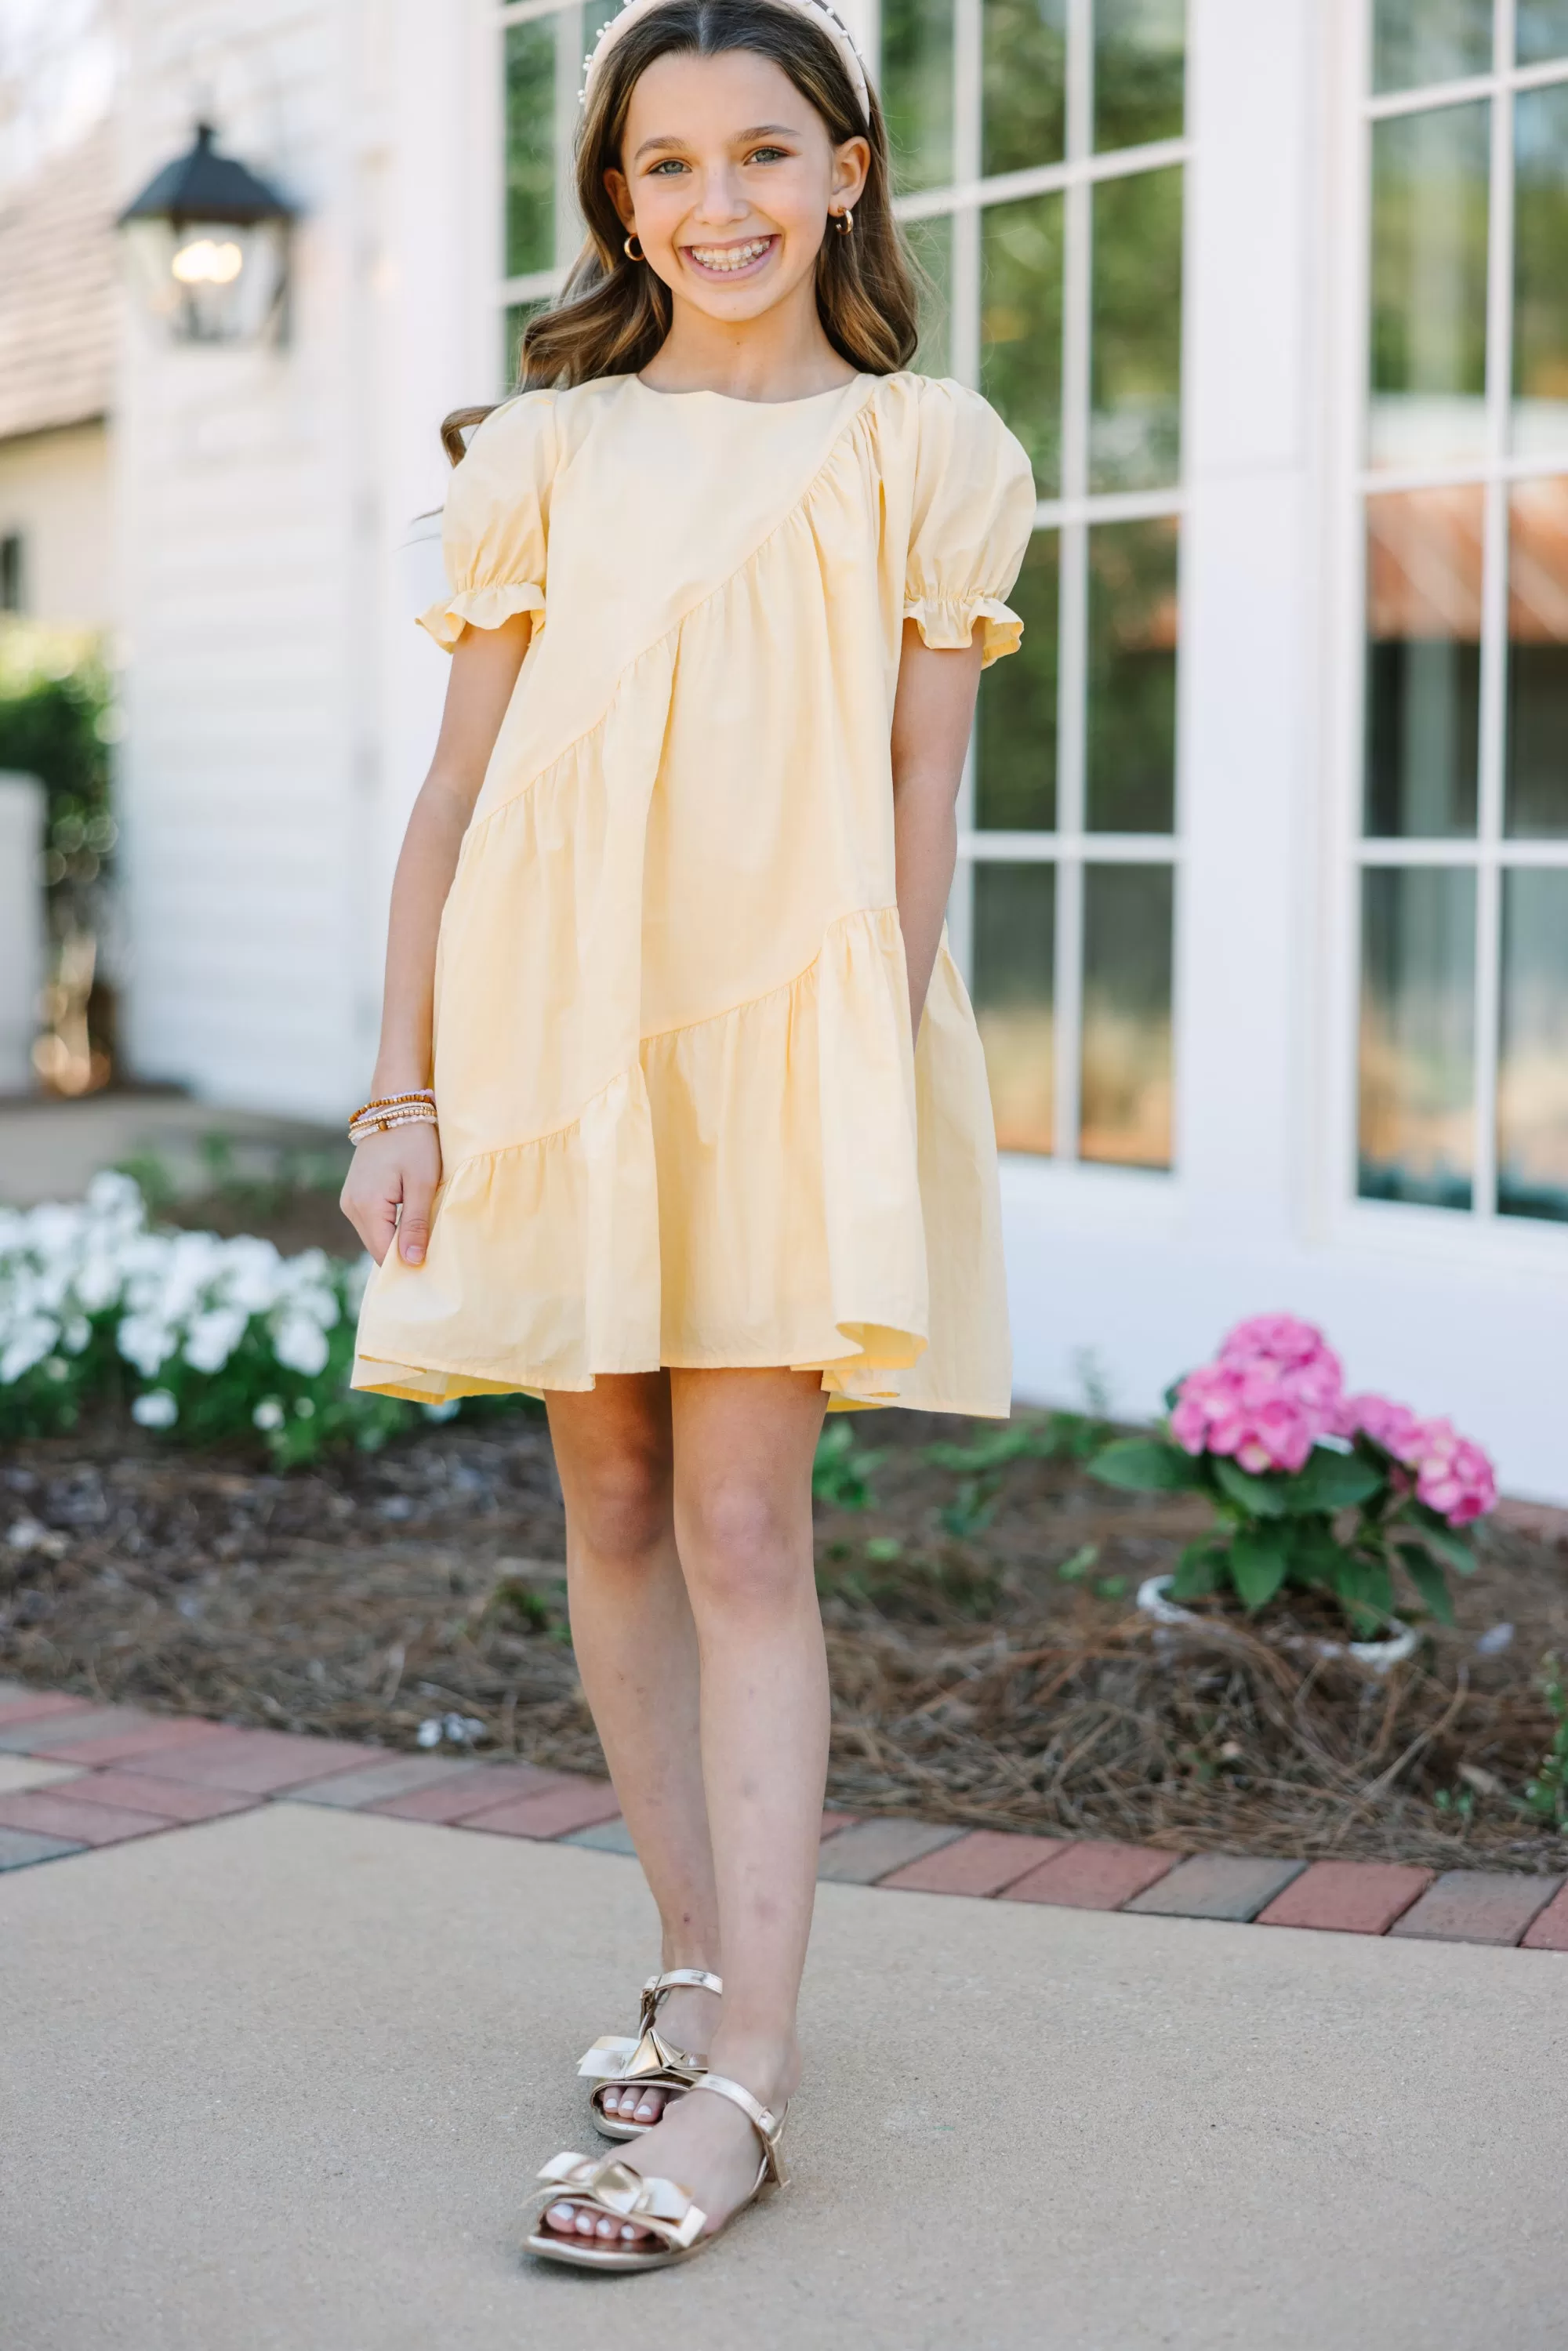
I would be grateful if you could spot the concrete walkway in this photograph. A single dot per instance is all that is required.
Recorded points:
(279, 2083)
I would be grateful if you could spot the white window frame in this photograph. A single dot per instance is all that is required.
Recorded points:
(1478, 1237)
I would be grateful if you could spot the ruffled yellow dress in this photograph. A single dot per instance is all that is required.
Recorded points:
(682, 1118)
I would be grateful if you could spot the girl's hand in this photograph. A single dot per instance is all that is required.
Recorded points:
(393, 1171)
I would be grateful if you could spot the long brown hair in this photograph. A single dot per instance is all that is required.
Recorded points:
(614, 313)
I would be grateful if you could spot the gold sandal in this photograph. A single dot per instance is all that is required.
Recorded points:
(612, 2188)
(650, 2062)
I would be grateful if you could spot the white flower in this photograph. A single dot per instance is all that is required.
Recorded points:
(251, 1276)
(269, 1413)
(448, 1410)
(212, 1338)
(156, 1409)
(299, 1343)
(76, 1334)
(428, 1732)
(28, 1339)
(146, 1340)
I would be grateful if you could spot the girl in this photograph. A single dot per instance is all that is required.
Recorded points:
(666, 925)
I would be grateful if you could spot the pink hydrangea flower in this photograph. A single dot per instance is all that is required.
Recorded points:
(1393, 1426)
(1453, 1476)
(1273, 1391)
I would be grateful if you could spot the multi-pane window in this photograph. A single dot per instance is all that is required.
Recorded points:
(1040, 159)
(1464, 846)
(543, 48)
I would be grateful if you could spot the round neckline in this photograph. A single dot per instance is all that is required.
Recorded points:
(736, 399)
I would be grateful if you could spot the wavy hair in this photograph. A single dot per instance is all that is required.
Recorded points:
(614, 314)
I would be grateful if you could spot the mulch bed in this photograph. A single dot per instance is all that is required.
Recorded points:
(972, 1681)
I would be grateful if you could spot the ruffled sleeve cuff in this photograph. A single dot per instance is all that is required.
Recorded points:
(946, 623)
(479, 608)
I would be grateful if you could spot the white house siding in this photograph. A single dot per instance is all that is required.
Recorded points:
(55, 495)
(263, 494)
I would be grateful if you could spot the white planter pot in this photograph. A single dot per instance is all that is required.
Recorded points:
(1377, 1656)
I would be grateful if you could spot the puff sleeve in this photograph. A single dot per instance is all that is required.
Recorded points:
(974, 511)
(496, 529)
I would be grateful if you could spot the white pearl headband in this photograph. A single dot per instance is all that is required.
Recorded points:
(818, 11)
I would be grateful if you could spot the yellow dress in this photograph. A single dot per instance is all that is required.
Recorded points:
(682, 1121)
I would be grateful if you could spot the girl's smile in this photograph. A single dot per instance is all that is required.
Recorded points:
(746, 258)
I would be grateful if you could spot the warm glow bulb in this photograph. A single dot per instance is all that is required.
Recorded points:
(207, 263)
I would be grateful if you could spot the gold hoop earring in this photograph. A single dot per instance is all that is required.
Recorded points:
(845, 222)
(626, 248)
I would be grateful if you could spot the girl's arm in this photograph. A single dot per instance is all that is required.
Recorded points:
(932, 714)
(401, 1170)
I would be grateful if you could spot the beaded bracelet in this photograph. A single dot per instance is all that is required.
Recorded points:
(397, 1110)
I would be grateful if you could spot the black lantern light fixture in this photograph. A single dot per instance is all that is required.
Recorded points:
(210, 242)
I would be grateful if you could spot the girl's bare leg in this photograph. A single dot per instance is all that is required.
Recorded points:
(636, 1649)
(743, 1446)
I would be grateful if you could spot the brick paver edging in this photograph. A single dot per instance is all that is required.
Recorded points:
(75, 1776)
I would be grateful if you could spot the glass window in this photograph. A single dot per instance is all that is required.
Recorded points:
(1064, 305)
(1015, 739)
(1020, 326)
(1533, 1072)
(1429, 181)
(1139, 70)
(1537, 741)
(1130, 750)
(1464, 980)
(1126, 1076)
(1417, 1035)
(1419, 41)
(916, 88)
(530, 147)
(1024, 83)
(1014, 990)
(1134, 422)
(931, 242)
(1541, 269)
(1540, 30)
(1424, 550)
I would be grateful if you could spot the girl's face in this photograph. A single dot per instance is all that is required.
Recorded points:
(728, 178)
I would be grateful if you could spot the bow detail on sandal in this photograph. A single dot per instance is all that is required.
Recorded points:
(650, 2060)
(610, 2187)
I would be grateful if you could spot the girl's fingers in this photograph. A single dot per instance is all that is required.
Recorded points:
(414, 1225)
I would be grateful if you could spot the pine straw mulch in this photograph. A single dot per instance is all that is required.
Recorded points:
(972, 1682)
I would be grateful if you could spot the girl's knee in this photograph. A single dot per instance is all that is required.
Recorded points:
(618, 1505)
(740, 1545)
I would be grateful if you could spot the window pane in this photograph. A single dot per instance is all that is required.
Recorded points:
(917, 76)
(1537, 760)
(1020, 326)
(530, 147)
(1541, 30)
(1139, 51)
(1024, 84)
(1129, 751)
(1423, 663)
(1540, 284)
(1134, 424)
(1014, 957)
(931, 242)
(1417, 1035)
(1126, 1066)
(1015, 761)
(1533, 1072)
(1419, 41)
(1430, 285)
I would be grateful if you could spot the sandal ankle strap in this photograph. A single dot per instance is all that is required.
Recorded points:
(768, 2126)
(676, 1978)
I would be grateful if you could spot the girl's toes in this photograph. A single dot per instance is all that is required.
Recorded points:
(648, 2107)
(607, 2226)
(561, 2218)
(586, 2224)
